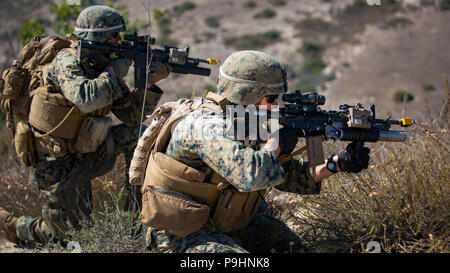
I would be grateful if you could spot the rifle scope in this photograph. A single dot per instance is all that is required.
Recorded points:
(307, 98)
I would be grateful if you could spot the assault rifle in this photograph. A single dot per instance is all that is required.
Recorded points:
(135, 48)
(350, 123)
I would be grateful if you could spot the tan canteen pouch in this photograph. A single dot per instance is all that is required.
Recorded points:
(234, 209)
(174, 212)
(168, 202)
(23, 142)
(92, 133)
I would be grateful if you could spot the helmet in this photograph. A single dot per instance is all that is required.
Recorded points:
(248, 76)
(96, 23)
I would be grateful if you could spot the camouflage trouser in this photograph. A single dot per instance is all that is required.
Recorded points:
(264, 234)
(65, 186)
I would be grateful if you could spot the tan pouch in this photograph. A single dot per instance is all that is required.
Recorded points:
(176, 213)
(23, 142)
(54, 146)
(92, 133)
(167, 173)
(15, 80)
(48, 116)
(234, 209)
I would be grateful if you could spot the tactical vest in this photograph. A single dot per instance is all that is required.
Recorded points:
(180, 199)
(60, 128)
(50, 124)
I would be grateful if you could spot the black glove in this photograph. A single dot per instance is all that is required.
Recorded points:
(354, 158)
(288, 139)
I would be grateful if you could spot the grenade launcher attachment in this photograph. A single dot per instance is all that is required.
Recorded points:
(350, 123)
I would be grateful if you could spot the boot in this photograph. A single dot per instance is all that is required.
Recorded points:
(8, 226)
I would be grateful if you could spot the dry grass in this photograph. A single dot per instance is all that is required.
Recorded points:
(20, 195)
(401, 201)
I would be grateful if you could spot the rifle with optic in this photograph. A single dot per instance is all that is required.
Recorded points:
(138, 49)
(350, 123)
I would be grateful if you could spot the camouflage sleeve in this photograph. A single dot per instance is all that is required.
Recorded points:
(299, 178)
(203, 138)
(86, 94)
(129, 108)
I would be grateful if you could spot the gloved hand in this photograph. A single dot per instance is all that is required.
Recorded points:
(288, 138)
(354, 158)
(120, 67)
(158, 71)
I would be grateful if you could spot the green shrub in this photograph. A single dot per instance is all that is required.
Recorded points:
(277, 2)
(209, 87)
(312, 48)
(356, 6)
(158, 14)
(428, 87)
(212, 21)
(209, 35)
(315, 24)
(314, 65)
(305, 85)
(249, 5)
(136, 25)
(181, 8)
(66, 15)
(164, 26)
(401, 95)
(29, 30)
(445, 5)
(266, 13)
(163, 20)
(252, 41)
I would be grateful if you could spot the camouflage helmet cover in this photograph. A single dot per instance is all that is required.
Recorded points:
(248, 76)
(96, 23)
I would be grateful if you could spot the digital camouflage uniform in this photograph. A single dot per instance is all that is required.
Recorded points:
(64, 182)
(199, 140)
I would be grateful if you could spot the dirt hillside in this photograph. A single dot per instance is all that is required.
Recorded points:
(369, 52)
